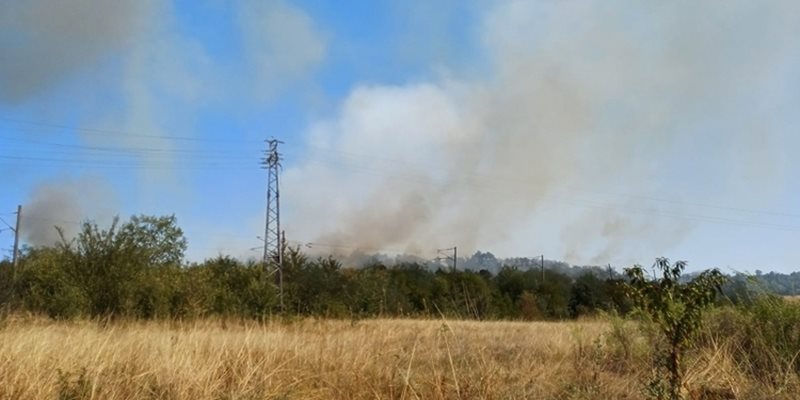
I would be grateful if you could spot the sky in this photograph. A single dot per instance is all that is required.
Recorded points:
(594, 132)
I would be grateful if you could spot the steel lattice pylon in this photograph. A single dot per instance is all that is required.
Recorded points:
(272, 230)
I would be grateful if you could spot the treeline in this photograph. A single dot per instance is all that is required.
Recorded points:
(772, 282)
(136, 269)
(50, 282)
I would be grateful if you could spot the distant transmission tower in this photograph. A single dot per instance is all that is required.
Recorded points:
(442, 255)
(273, 252)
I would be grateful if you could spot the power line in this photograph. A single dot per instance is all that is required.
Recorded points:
(442, 254)
(468, 180)
(215, 159)
(196, 159)
(573, 188)
(98, 131)
(358, 155)
(626, 208)
(660, 213)
(53, 220)
(695, 204)
(15, 256)
(109, 145)
(6, 223)
(126, 164)
(648, 211)
(354, 248)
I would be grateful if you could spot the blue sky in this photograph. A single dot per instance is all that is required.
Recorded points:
(595, 132)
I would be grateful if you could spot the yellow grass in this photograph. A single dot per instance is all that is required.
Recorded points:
(321, 359)
(793, 299)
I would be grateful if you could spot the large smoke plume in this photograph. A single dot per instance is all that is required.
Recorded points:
(132, 80)
(525, 150)
(578, 100)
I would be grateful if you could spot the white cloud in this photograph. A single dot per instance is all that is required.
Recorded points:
(282, 43)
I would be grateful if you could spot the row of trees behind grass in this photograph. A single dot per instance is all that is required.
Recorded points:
(136, 269)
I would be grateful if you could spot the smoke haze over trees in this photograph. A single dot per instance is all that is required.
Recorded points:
(600, 132)
(137, 268)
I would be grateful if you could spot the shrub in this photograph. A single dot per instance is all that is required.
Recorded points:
(765, 337)
(43, 286)
(676, 310)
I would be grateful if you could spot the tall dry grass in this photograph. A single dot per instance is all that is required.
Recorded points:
(326, 359)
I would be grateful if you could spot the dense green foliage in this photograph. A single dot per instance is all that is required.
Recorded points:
(766, 335)
(771, 282)
(136, 269)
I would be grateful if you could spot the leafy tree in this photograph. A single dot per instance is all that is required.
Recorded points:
(553, 293)
(368, 290)
(230, 287)
(511, 282)
(617, 294)
(43, 286)
(412, 286)
(315, 288)
(158, 240)
(465, 294)
(587, 294)
(676, 309)
(111, 267)
(6, 283)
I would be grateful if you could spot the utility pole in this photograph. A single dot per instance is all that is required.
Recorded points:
(442, 255)
(273, 243)
(16, 240)
(542, 265)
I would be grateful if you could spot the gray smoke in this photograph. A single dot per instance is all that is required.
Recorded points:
(65, 203)
(579, 99)
(45, 42)
(129, 66)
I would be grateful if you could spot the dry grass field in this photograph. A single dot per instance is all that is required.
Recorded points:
(792, 299)
(328, 359)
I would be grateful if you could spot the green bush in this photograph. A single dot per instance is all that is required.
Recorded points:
(43, 286)
(675, 309)
(764, 336)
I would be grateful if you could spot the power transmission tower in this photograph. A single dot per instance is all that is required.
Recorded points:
(16, 240)
(273, 243)
(15, 229)
(442, 255)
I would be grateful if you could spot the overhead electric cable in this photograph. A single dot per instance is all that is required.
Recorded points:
(115, 132)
